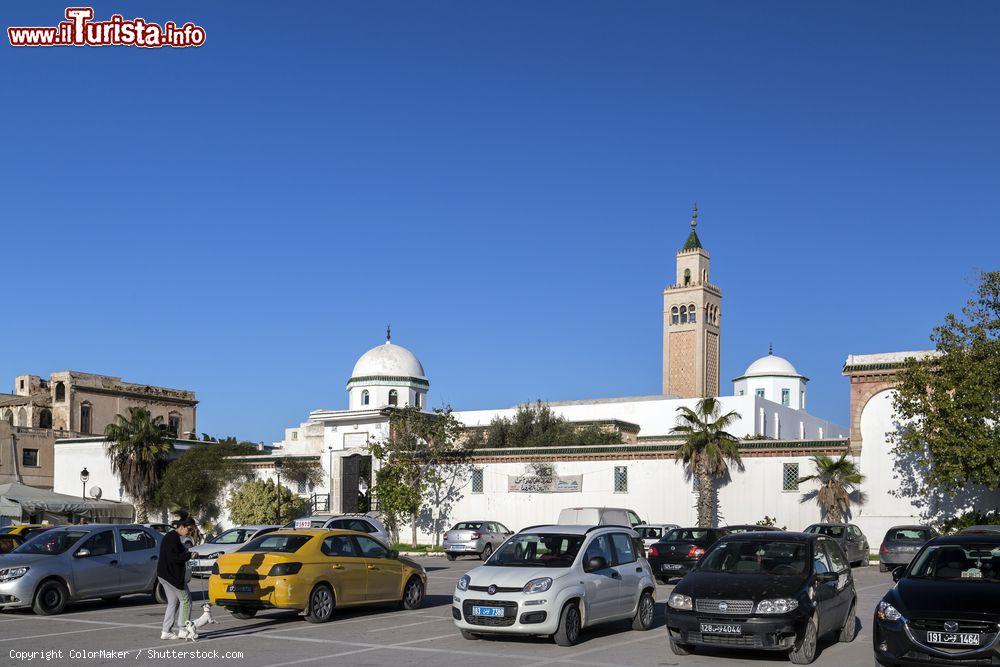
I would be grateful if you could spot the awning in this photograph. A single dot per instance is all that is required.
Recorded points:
(19, 499)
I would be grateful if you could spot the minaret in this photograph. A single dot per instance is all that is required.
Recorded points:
(691, 324)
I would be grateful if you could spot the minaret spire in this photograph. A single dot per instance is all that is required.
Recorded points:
(770, 349)
(388, 334)
(694, 216)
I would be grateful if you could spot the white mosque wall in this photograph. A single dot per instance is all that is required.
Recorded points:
(772, 387)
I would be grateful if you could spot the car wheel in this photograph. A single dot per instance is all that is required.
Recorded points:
(243, 613)
(882, 567)
(159, 596)
(680, 649)
(50, 598)
(321, 604)
(847, 632)
(568, 633)
(413, 594)
(450, 556)
(487, 552)
(805, 652)
(643, 619)
(469, 635)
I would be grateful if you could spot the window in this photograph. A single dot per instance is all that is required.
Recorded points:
(477, 480)
(365, 397)
(416, 399)
(684, 314)
(339, 545)
(790, 477)
(674, 315)
(835, 555)
(359, 525)
(393, 397)
(742, 392)
(802, 400)
(634, 519)
(22, 384)
(29, 458)
(101, 544)
(820, 563)
(174, 423)
(760, 393)
(601, 546)
(60, 391)
(136, 539)
(687, 277)
(295, 435)
(45, 419)
(371, 549)
(691, 315)
(300, 486)
(623, 548)
(85, 418)
(22, 417)
(621, 479)
(786, 396)
(279, 542)
(8, 417)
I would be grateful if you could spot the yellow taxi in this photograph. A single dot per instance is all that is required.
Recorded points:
(314, 570)
(26, 530)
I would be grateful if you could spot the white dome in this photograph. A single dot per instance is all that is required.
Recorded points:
(388, 360)
(771, 365)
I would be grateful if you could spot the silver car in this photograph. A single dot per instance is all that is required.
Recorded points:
(70, 563)
(475, 538)
(651, 533)
(205, 554)
(364, 523)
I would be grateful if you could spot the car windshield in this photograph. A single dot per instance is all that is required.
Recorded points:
(52, 542)
(233, 536)
(975, 561)
(468, 525)
(908, 535)
(831, 531)
(528, 550)
(685, 535)
(756, 557)
(285, 544)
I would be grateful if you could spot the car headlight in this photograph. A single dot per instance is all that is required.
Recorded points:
(682, 602)
(12, 573)
(538, 585)
(777, 606)
(463, 583)
(887, 612)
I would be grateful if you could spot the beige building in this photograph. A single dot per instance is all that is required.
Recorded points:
(692, 324)
(71, 404)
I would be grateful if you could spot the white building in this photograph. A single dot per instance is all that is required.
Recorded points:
(775, 379)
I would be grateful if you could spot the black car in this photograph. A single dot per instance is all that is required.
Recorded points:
(774, 591)
(900, 544)
(680, 550)
(848, 536)
(943, 609)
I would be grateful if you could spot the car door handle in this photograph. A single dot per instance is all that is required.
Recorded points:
(336, 567)
(372, 567)
(615, 575)
(638, 569)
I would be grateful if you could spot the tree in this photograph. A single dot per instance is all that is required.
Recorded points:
(306, 471)
(708, 450)
(256, 503)
(138, 445)
(949, 405)
(195, 481)
(838, 482)
(418, 442)
(442, 489)
(536, 425)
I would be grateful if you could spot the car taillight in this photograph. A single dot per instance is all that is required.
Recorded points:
(696, 552)
(476, 536)
(883, 549)
(653, 551)
(284, 569)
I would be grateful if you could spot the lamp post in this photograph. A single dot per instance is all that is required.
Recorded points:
(84, 476)
(277, 469)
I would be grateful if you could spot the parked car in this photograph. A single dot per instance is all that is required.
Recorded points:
(747, 528)
(848, 536)
(555, 581)
(69, 563)
(475, 538)
(9, 542)
(226, 542)
(900, 544)
(599, 516)
(360, 522)
(943, 609)
(315, 571)
(775, 591)
(651, 533)
(989, 528)
(161, 528)
(680, 550)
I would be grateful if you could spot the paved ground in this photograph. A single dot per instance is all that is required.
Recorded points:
(377, 636)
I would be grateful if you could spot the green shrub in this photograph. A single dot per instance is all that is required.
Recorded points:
(972, 518)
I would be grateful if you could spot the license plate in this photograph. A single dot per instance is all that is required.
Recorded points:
(239, 588)
(721, 629)
(953, 638)
(670, 566)
(487, 611)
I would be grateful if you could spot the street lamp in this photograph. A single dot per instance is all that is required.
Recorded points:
(84, 476)
(277, 468)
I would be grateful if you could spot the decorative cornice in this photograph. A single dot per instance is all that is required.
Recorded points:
(389, 379)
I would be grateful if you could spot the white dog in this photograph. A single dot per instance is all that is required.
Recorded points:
(190, 629)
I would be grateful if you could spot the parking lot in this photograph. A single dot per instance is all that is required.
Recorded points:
(374, 636)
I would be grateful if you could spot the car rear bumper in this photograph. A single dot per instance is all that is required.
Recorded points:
(463, 547)
(665, 568)
(768, 634)
(895, 560)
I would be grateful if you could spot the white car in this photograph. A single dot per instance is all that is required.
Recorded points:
(205, 554)
(364, 523)
(651, 533)
(556, 580)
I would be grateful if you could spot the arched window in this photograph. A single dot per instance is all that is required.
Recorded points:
(22, 417)
(674, 317)
(8, 417)
(174, 423)
(684, 314)
(365, 398)
(691, 314)
(85, 412)
(393, 397)
(60, 391)
(45, 419)
(416, 399)
(687, 277)
(704, 275)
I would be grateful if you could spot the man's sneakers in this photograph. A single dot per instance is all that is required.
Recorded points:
(168, 635)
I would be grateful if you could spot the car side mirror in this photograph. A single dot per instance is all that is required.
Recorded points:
(394, 555)
(898, 573)
(81, 553)
(596, 563)
(826, 577)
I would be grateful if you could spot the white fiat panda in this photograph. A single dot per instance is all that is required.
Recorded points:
(555, 581)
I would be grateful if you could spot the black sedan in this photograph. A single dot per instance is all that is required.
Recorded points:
(943, 609)
(680, 550)
(774, 591)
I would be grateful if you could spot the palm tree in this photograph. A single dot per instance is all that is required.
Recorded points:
(707, 450)
(137, 447)
(838, 481)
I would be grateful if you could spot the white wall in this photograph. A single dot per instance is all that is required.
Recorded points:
(772, 386)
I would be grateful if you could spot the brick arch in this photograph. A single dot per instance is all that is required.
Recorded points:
(861, 393)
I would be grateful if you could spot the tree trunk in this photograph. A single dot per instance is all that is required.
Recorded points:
(413, 529)
(706, 499)
(141, 512)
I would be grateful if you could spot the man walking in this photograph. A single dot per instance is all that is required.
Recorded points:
(170, 570)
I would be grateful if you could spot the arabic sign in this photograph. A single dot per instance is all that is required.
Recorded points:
(544, 483)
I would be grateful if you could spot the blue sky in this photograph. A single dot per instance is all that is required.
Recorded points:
(507, 183)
